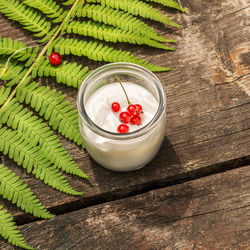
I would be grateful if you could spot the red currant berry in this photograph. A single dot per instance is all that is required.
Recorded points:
(123, 128)
(115, 106)
(135, 120)
(131, 109)
(138, 109)
(55, 58)
(125, 117)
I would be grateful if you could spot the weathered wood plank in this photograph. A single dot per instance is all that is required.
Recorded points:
(208, 213)
(207, 105)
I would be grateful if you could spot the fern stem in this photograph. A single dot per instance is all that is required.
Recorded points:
(60, 29)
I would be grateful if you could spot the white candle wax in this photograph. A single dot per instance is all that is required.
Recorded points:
(122, 154)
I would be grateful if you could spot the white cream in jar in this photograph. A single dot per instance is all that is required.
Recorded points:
(98, 123)
(98, 105)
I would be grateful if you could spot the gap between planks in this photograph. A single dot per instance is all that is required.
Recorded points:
(139, 190)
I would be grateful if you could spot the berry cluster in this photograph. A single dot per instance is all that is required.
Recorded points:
(132, 116)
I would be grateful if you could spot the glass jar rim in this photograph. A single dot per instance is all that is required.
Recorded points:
(120, 136)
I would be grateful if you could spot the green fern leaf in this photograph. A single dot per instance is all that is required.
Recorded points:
(15, 145)
(28, 17)
(49, 8)
(4, 94)
(36, 131)
(98, 52)
(12, 71)
(111, 34)
(137, 8)
(169, 3)
(62, 116)
(14, 190)
(9, 230)
(118, 19)
(71, 74)
(18, 50)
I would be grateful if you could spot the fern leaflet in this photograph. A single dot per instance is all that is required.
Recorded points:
(67, 2)
(4, 94)
(137, 8)
(18, 50)
(9, 230)
(71, 74)
(168, 3)
(119, 19)
(48, 103)
(28, 17)
(13, 72)
(98, 52)
(14, 190)
(17, 147)
(112, 34)
(36, 131)
(48, 7)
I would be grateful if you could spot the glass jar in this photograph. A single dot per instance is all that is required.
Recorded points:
(116, 151)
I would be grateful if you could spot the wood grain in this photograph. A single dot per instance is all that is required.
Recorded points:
(207, 213)
(208, 118)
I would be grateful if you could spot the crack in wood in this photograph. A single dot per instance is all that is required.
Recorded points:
(119, 194)
(232, 13)
(233, 81)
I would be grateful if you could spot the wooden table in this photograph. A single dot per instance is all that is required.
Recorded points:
(196, 192)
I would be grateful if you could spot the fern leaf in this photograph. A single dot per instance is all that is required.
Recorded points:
(111, 34)
(49, 8)
(98, 52)
(71, 74)
(9, 230)
(119, 19)
(4, 94)
(36, 131)
(15, 145)
(20, 50)
(137, 8)
(169, 3)
(28, 17)
(13, 189)
(48, 103)
(12, 71)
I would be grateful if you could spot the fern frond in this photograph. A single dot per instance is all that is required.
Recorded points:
(137, 8)
(36, 131)
(12, 71)
(17, 147)
(169, 3)
(49, 8)
(112, 34)
(9, 230)
(20, 50)
(118, 18)
(13, 189)
(61, 115)
(98, 52)
(28, 17)
(4, 94)
(71, 74)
